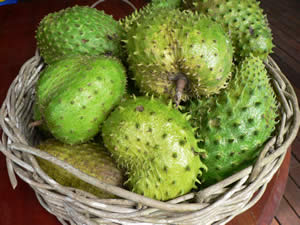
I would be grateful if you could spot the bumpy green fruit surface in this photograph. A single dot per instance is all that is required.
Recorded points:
(133, 18)
(234, 125)
(91, 158)
(78, 30)
(243, 19)
(74, 95)
(155, 144)
(166, 46)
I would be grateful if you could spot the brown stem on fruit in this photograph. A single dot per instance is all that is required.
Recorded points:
(35, 123)
(181, 82)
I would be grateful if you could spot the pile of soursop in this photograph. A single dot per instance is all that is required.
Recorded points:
(171, 99)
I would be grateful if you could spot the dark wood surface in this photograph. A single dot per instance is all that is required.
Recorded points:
(284, 18)
(17, 44)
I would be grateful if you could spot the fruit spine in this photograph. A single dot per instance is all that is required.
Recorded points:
(243, 19)
(234, 125)
(155, 144)
(90, 158)
(78, 30)
(168, 47)
(75, 95)
(133, 18)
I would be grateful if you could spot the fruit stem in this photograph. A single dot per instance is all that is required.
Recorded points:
(35, 123)
(181, 82)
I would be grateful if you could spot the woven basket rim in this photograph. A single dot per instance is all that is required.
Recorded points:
(14, 146)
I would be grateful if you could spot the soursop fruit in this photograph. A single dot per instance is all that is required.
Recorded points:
(243, 19)
(156, 145)
(90, 158)
(78, 30)
(234, 125)
(133, 18)
(74, 95)
(170, 50)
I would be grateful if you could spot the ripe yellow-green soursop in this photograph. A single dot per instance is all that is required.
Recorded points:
(156, 145)
(243, 19)
(133, 18)
(234, 125)
(178, 54)
(74, 95)
(78, 30)
(91, 158)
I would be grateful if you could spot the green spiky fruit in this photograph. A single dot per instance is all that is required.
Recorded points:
(165, 47)
(91, 158)
(74, 95)
(133, 18)
(234, 125)
(156, 145)
(243, 19)
(78, 30)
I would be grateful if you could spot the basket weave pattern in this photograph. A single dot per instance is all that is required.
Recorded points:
(216, 204)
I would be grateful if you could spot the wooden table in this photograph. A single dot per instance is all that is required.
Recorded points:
(17, 44)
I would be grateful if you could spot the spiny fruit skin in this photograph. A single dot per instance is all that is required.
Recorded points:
(78, 30)
(133, 18)
(155, 144)
(234, 125)
(90, 158)
(165, 44)
(243, 19)
(74, 95)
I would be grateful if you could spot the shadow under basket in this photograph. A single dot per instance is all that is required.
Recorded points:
(216, 204)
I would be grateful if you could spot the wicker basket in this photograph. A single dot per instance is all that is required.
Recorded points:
(216, 204)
